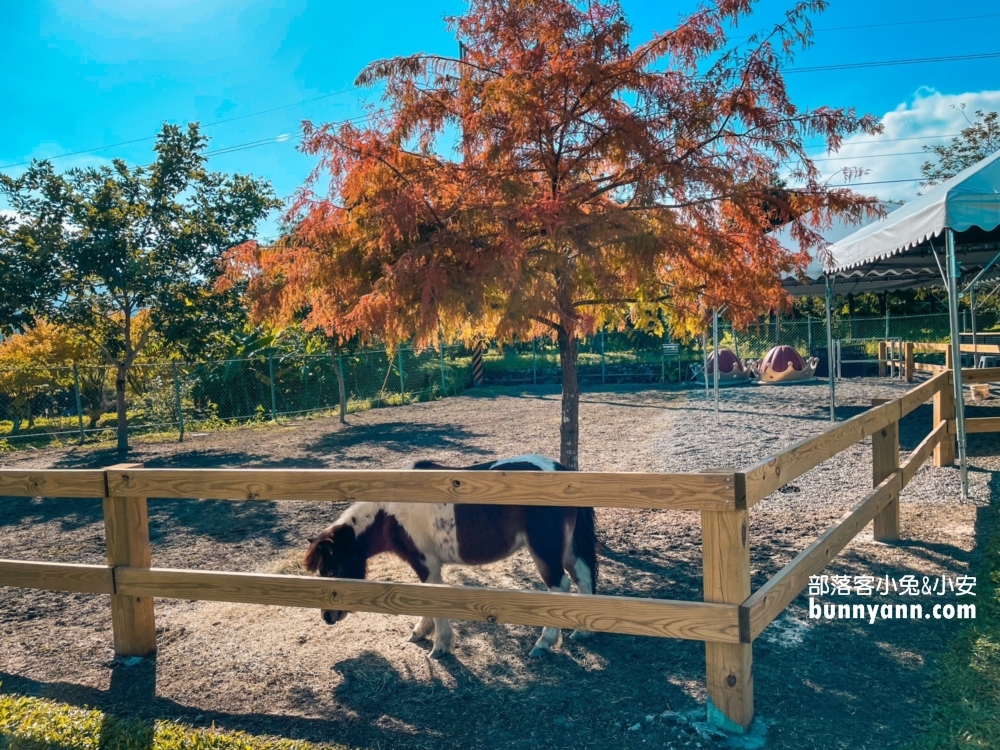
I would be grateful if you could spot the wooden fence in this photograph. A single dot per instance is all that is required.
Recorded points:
(728, 620)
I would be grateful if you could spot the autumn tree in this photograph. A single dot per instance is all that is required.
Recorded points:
(556, 179)
(109, 245)
(36, 362)
(980, 139)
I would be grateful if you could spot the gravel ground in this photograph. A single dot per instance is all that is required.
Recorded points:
(839, 684)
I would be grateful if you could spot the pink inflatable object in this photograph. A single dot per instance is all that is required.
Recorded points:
(731, 370)
(783, 364)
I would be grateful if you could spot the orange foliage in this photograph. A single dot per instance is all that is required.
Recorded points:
(557, 179)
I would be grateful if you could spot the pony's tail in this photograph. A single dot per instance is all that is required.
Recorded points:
(585, 540)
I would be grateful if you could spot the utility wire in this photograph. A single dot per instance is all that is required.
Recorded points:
(887, 63)
(906, 23)
(870, 156)
(206, 125)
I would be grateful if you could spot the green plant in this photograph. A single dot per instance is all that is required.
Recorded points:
(964, 710)
(39, 724)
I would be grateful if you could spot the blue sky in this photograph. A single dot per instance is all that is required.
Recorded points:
(80, 74)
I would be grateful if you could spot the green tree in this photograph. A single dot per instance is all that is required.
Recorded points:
(973, 144)
(121, 254)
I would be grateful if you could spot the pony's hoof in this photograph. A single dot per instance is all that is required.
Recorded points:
(538, 652)
(439, 653)
(581, 635)
(417, 637)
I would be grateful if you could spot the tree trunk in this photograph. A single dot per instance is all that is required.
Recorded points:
(569, 425)
(122, 417)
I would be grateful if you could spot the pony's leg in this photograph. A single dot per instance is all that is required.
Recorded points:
(583, 577)
(444, 636)
(551, 637)
(423, 628)
(547, 551)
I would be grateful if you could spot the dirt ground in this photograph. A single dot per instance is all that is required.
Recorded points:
(278, 671)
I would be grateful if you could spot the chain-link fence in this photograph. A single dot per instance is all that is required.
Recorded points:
(73, 403)
(607, 358)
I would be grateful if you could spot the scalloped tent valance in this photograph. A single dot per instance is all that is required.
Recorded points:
(968, 204)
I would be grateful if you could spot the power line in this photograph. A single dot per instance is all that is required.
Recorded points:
(884, 25)
(896, 140)
(206, 125)
(280, 138)
(878, 182)
(887, 63)
(870, 156)
(907, 23)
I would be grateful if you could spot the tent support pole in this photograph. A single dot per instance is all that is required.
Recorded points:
(975, 344)
(715, 353)
(956, 358)
(829, 348)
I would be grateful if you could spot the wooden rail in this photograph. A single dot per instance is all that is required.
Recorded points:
(966, 348)
(773, 473)
(53, 483)
(922, 452)
(611, 614)
(980, 375)
(728, 620)
(572, 489)
(770, 600)
(976, 424)
(88, 579)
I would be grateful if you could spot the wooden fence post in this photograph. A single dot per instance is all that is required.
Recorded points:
(908, 358)
(885, 460)
(726, 569)
(126, 532)
(881, 359)
(944, 411)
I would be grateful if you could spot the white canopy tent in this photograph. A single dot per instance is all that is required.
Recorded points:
(960, 217)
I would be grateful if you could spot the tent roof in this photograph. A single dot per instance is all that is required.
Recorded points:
(902, 242)
(813, 281)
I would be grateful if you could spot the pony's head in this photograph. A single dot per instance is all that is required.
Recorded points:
(335, 553)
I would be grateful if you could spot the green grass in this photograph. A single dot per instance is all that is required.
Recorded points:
(38, 724)
(964, 697)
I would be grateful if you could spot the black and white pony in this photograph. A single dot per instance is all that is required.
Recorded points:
(562, 542)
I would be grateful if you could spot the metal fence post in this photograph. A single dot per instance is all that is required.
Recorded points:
(809, 322)
(602, 357)
(79, 401)
(274, 400)
(180, 405)
(402, 378)
(887, 321)
(534, 367)
(444, 388)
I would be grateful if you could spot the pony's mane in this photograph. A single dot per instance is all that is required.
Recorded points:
(311, 561)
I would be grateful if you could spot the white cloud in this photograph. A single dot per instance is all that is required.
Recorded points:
(930, 113)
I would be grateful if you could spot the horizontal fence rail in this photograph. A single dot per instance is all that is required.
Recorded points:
(611, 614)
(561, 488)
(87, 579)
(53, 483)
(770, 600)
